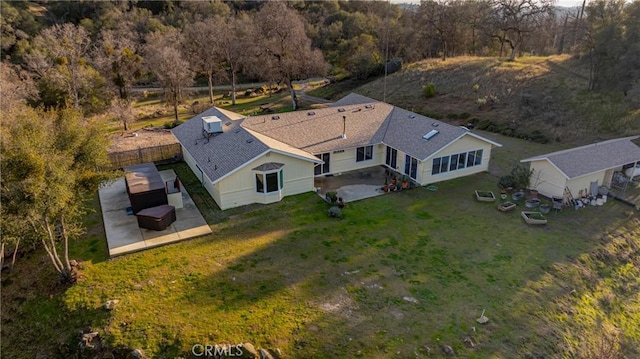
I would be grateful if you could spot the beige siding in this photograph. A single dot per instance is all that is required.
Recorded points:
(581, 183)
(346, 160)
(206, 182)
(547, 179)
(464, 144)
(239, 188)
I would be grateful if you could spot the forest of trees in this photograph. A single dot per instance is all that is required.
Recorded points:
(88, 54)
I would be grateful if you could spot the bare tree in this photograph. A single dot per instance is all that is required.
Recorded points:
(284, 50)
(118, 58)
(61, 53)
(441, 19)
(164, 59)
(202, 47)
(237, 46)
(515, 19)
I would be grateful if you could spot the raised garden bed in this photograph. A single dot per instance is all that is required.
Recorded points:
(485, 196)
(506, 206)
(534, 218)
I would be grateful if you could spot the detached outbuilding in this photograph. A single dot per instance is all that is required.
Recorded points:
(581, 168)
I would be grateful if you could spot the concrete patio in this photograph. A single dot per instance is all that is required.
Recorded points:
(354, 185)
(123, 233)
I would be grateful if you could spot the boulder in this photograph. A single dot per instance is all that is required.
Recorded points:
(89, 340)
(137, 354)
(111, 304)
(447, 349)
(264, 354)
(249, 351)
(469, 343)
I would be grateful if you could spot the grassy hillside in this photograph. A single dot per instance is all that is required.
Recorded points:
(543, 98)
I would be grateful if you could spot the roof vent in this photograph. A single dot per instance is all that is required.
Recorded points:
(368, 106)
(211, 124)
(249, 140)
(276, 117)
(341, 109)
(228, 123)
(435, 124)
(412, 116)
(310, 113)
(357, 110)
(430, 134)
(237, 130)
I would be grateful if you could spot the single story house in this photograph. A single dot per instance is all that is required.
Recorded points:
(576, 169)
(261, 159)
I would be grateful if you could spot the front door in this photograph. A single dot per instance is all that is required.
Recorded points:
(323, 168)
(392, 157)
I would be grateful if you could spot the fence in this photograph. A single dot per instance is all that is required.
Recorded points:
(168, 152)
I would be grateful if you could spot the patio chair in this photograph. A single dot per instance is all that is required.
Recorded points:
(557, 203)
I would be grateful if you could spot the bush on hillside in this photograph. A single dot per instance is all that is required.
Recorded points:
(429, 90)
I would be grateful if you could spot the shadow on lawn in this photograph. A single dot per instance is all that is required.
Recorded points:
(400, 275)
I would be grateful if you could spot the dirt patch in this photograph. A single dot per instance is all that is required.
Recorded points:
(147, 137)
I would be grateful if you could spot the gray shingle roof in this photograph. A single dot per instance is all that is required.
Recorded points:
(584, 160)
(322, 131)
(222, 153)
(367, 122)
(406, 129)
(303, 133)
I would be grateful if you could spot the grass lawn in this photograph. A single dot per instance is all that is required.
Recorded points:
(401, 275)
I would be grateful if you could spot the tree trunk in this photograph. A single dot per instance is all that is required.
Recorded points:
(233, 87)
(578, 23)
(175, 108)
(2, 255)
(294, 97)
(444, 50)
(514, 51)
(210, 78)
(15, 254)
(563, 34)
(473, 40)
(65, 238)
(50, 251)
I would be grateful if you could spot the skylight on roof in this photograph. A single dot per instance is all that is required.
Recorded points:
(430, 134)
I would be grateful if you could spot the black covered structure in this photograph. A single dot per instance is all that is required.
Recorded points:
(157, 218)
(144, 187)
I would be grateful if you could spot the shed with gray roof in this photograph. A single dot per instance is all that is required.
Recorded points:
(577, 168)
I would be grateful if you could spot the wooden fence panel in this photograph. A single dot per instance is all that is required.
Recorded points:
(172, 151)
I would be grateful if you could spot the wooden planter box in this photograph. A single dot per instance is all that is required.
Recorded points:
(485, 196)
(507, 206)
(534, 218)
